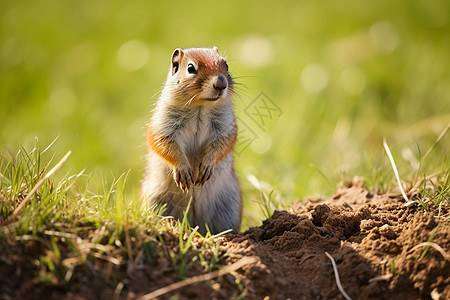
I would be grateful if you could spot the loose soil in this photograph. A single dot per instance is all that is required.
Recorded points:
(371, 238)
(374, 240)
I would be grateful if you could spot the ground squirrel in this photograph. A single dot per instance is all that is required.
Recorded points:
(190, 136)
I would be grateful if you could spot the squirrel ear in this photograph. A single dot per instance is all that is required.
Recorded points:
(215, 49)
(176, 58)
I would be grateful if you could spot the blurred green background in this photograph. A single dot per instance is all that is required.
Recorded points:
(343, 74)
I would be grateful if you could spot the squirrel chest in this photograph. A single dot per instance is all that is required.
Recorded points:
(195, 128)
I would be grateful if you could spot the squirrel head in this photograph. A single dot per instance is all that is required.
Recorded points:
(199, 77)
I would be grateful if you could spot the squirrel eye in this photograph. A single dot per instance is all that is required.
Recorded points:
(226, 66)
(191, 69)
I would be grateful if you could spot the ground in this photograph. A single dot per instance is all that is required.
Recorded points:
(374, 239)
(371, 237)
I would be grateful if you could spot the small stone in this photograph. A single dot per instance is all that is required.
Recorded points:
(387, 232)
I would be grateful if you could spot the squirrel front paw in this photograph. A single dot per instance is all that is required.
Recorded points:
(183, 177)
(205, 171)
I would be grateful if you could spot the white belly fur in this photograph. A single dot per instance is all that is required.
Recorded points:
(216, 203)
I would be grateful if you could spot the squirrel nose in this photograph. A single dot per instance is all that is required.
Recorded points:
(221, 83)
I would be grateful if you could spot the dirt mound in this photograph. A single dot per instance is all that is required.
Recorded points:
(371, 238)
(374, 239)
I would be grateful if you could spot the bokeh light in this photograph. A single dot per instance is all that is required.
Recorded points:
(341, 75)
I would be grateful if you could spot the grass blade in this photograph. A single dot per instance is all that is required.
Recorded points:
(394, 167)
(39, 184)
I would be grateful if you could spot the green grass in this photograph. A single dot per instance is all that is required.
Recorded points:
(84, 224)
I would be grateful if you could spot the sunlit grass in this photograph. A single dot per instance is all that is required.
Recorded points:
(86, 223)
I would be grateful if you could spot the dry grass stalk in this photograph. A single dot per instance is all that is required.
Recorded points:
(38, 185)
(201, 278)
(336, 275)
(435, 246)
(394, 167)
